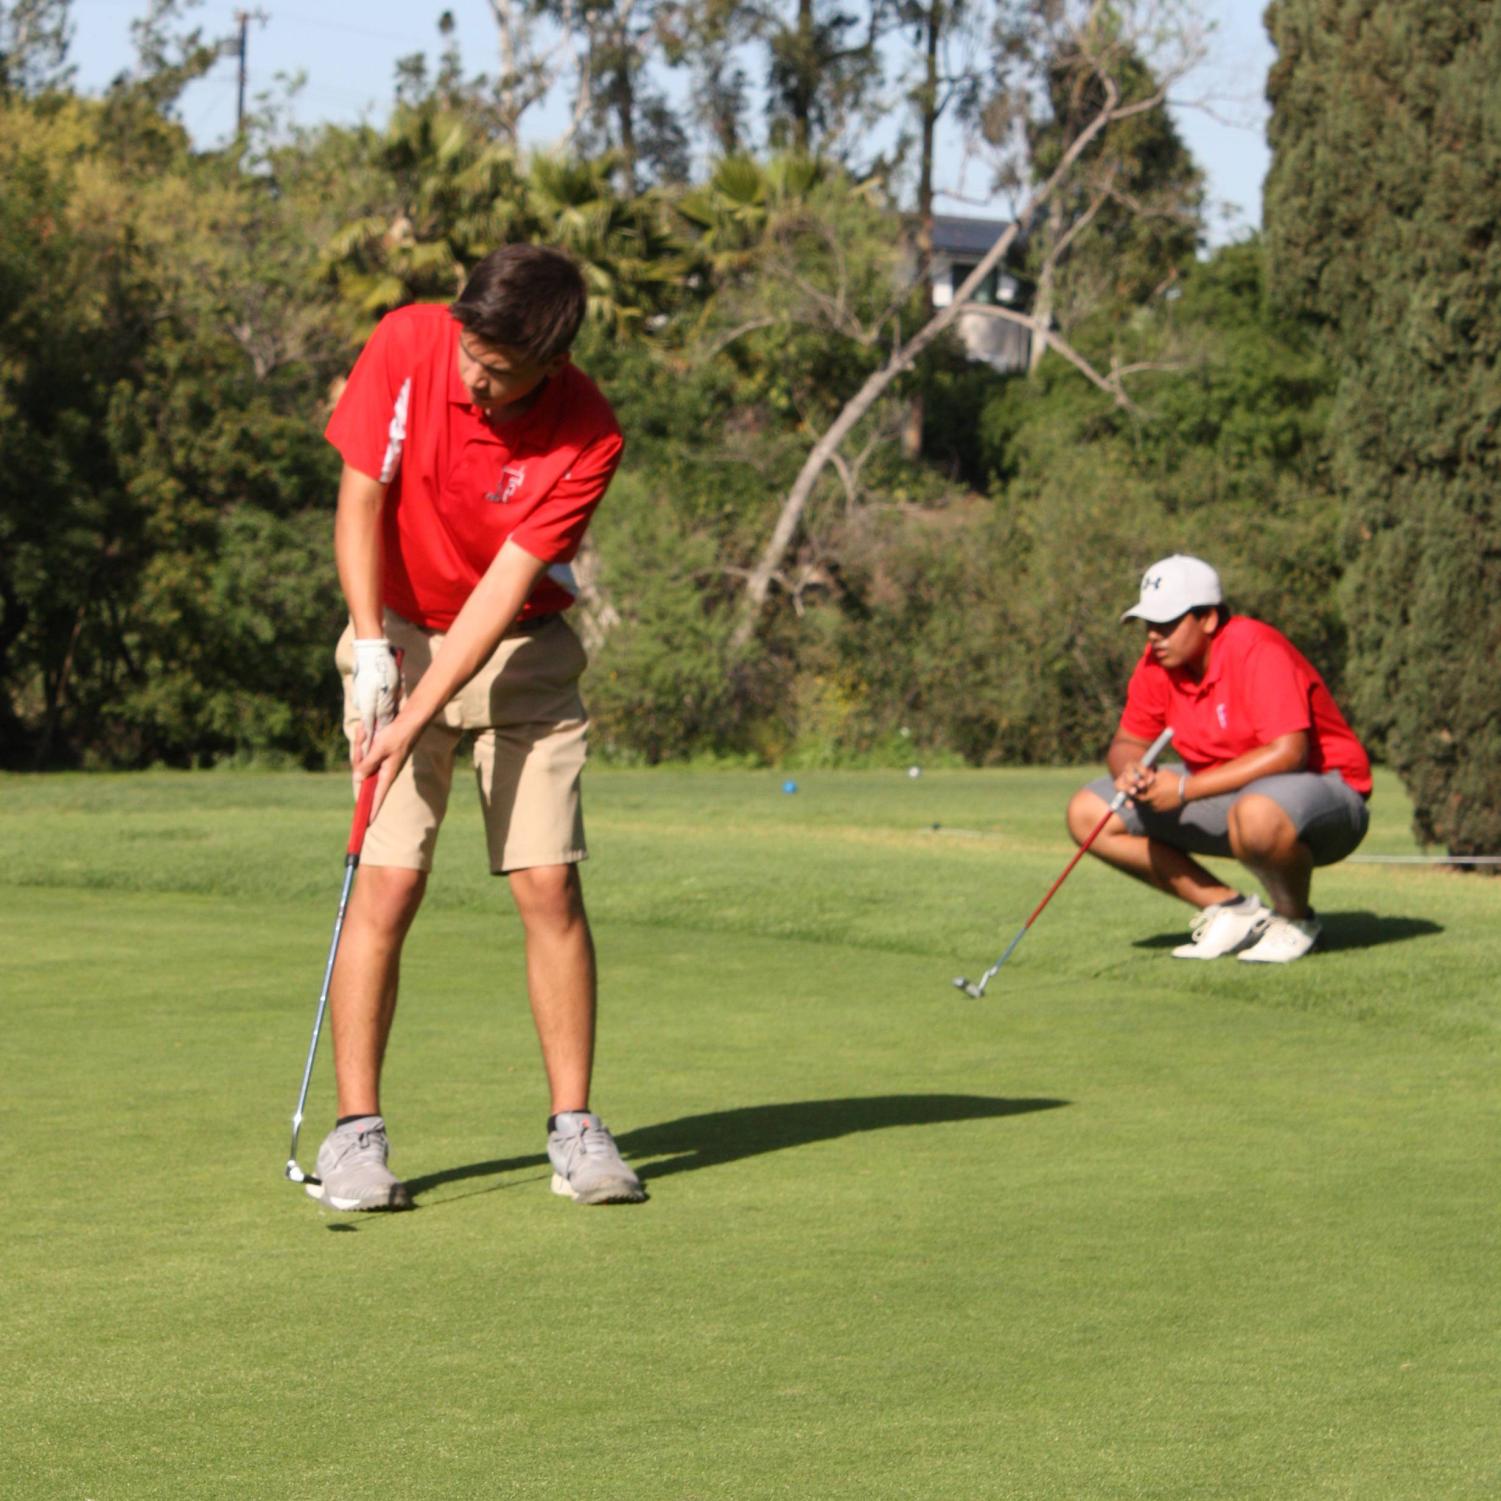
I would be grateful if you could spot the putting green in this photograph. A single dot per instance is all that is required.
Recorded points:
(1128, 1227)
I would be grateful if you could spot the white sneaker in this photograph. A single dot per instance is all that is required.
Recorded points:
(1283, 940)
(1224, 928)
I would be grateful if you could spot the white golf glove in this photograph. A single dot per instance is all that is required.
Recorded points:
(377, 683)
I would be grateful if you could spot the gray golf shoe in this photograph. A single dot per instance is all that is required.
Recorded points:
(587, 1165)
(352, 1167)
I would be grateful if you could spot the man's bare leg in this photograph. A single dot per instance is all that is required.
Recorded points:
(1266, 843)
(1158, 865)
(560, 976)
(362, 996)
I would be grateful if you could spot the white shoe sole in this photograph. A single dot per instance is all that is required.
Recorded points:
(605, 1193)
(396, 1197)
(1249, 958)
(1193, 951)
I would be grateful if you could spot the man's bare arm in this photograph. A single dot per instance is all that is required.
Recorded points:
(487, 614)
(357, 549)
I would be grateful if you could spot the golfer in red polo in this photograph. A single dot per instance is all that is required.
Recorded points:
(474, 455)
(1272, 774)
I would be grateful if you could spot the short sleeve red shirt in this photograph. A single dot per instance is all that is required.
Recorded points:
(460, 486)
(1256, 687)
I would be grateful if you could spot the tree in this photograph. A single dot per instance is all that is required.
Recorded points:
(1384, 212)
(615, 43)
(528, 69)
(441, 195)
(706, 36)
(1126, 224)
(34, 37)
(942, 78)
(63, 518)
(164, 578)
(1091, 40)
(820, 71)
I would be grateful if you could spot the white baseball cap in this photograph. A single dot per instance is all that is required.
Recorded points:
(1173, 587)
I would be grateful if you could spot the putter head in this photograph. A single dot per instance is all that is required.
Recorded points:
(975, 992)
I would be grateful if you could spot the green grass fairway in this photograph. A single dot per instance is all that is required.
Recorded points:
(1129, 1227)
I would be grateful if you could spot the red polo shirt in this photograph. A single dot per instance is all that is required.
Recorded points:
(1256, 686)
(459, 487)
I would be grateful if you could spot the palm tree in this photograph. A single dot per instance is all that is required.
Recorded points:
(445, 193)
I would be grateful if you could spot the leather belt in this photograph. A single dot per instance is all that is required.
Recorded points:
(530, 626)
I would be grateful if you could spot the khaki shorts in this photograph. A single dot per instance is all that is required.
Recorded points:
(529, 725)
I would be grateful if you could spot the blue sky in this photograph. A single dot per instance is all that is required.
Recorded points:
(347, 50)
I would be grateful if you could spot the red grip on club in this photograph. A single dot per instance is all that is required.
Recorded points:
(361, 816)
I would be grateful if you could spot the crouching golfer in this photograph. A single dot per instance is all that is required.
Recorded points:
(1272, 774)
(474, 454)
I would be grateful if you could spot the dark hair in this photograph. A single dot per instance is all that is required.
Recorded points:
(1223, 607)
(525, 297)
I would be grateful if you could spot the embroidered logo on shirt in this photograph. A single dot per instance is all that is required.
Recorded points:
(512, 477)
(1222, 715)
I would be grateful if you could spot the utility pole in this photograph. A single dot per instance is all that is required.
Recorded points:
(243, 18)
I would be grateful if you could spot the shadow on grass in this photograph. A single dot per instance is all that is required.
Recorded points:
(722, 1136)
(498, 1167)
(1342, 930)
(728, 1135)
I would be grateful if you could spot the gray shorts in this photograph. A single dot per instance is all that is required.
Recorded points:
(1330, 817)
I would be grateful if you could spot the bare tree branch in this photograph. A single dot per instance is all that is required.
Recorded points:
(583, 98)
(738, 332)
(1101, 197)
(525, 75)
(849, 473)
(759, 583)
(1094, 47)
(1110, 384)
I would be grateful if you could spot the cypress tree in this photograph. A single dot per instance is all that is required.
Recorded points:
(1383, 210)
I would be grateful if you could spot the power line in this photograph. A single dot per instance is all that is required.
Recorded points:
(378, 36)
(201, 116)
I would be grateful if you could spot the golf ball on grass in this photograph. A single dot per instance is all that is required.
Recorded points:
(914, 771)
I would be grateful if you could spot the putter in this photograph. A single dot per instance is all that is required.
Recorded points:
(977, 989)
(351, 864)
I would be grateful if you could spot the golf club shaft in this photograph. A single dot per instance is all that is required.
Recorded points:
(1154, 750)
(351, 864)
(1021, 932)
